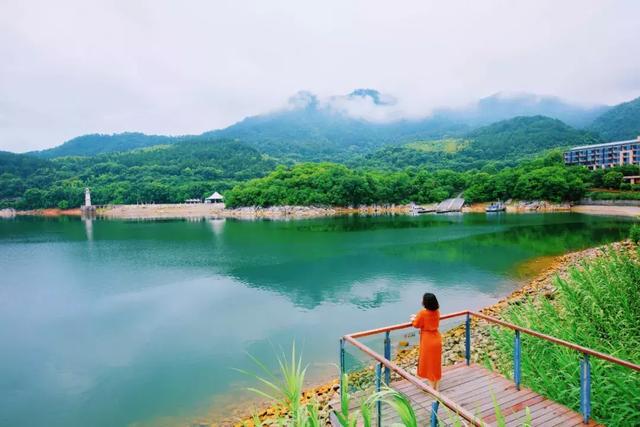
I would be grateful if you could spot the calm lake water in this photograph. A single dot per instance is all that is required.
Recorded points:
(115, 323)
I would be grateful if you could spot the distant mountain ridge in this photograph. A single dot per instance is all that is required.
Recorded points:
(94, 144)
(506, 105)
(620, 122)
(343, 126)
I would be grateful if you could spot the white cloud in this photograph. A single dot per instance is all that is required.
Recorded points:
(159, 66)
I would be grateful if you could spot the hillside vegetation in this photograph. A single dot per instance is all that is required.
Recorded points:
(160, 174)
(504, 143)
(92, 145)
(332, 184)
(622, 122)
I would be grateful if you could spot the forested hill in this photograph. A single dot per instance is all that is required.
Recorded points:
(19, 164)
(160, 174)
(91, 145)
(622, 122)
(504, 143)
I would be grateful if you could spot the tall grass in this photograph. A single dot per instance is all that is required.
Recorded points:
(597, 306)
(285, 387)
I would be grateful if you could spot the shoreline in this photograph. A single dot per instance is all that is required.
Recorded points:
(540, 285)
(187, 211)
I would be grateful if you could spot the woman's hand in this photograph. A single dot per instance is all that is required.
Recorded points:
(412, 318)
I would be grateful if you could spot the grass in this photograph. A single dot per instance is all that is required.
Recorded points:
(285, 387)
(613, 195)
(450, 145)
(597, 306)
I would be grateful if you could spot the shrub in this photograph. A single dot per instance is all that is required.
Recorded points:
(612, 179)
(634, 233)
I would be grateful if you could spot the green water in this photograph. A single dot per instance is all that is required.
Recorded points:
(113, 323)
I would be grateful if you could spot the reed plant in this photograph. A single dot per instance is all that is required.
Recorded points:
(285, 387)
(597, 306)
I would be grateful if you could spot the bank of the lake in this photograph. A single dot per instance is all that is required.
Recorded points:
(453, 339)
(203, 210)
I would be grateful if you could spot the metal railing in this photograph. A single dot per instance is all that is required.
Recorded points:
(385, 361)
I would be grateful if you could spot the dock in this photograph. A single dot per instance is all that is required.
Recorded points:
(474, 387)
(450, 205)
(469, 393)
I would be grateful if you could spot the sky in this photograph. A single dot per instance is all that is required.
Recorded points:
(72, 67)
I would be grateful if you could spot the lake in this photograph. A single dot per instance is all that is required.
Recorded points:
(115, 323)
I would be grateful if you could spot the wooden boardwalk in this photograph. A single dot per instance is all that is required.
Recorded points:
(474, 388)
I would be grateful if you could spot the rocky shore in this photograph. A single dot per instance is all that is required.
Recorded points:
(483, 348)
(522, 206)
(219, 211)
(203, 210)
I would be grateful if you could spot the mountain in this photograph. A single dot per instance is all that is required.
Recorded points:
(620, 123)
(20, 165)
(506, 142)
(343, 126)
(311, 130)
(91, 145)
(505, 105)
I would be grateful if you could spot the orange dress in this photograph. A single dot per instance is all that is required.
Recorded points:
(430, 360)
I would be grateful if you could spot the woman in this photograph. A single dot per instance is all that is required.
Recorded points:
(430, 359)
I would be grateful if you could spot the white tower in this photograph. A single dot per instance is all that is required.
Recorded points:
(87, 198)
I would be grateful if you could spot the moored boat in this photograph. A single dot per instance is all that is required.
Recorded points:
(496, 207)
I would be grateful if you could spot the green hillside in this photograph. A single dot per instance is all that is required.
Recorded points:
(620, 123)
(165, 173)
(507, 142)
(91, 145)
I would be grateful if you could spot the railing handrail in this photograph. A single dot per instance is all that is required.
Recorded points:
(527, 331)
(459, 410)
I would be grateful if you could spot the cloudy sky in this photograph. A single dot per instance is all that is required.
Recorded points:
(70, 67)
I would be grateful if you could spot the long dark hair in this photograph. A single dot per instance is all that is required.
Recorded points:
(430, 302)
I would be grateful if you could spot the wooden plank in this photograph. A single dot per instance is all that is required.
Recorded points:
(537, 410)
(515, 408)
(467, 391)
(489, 408)
(552, 413)
(558, 420)
(472, 398)
(474, 389)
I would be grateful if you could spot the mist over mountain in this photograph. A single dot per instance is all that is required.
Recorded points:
(506, 105)
(337, 127)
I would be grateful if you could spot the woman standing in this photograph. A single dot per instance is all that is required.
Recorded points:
(430, 359)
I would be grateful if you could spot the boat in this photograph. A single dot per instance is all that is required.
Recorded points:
(422, 209)
(496, 207)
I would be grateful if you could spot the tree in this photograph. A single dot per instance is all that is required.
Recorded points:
(612, 179)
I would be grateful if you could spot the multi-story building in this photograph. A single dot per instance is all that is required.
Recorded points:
(605, 155)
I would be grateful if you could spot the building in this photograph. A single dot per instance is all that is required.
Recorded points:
(601, 156)
(214, 198)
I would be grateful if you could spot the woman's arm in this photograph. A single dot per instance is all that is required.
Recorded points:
(416, 320)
